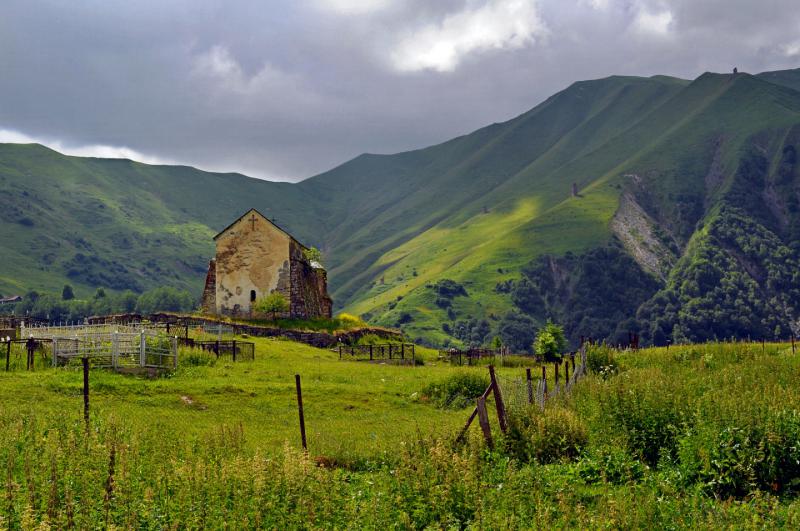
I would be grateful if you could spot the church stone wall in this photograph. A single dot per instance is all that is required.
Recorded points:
(309, 288)
(252, 255)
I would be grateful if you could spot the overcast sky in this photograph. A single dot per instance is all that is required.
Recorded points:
(285, 89)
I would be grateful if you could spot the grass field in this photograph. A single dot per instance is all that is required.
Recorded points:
(689, 437)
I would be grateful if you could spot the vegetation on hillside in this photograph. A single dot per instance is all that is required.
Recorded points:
(62, 307)
(475, 212)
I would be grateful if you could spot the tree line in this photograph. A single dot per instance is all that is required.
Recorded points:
(67, 307)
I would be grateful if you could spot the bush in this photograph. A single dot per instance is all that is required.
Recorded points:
(556, 434)
(550, 342)
(649, 410)
(456, 391)
(600, 359)
(273, 304)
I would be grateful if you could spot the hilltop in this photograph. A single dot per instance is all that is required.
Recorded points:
(480, 235)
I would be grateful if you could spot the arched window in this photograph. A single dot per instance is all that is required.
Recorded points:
(252, 295)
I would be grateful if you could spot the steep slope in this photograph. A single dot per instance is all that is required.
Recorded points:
(120, 224)
(479, 235)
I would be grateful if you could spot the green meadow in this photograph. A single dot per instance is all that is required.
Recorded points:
(697, 436)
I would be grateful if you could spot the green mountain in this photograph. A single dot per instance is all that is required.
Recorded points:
(685, 224)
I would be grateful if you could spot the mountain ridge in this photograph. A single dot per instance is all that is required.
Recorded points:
(477, 209)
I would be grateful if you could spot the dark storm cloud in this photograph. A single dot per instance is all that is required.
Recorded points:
(285, 89)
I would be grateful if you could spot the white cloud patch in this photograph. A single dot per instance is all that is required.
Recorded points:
(8, 136)
(653, 23)
(494, 24)
(791, 49)
(354, 7)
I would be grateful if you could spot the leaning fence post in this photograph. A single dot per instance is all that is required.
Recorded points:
(300, 411)
(530, 385)
(498, 400)
(85, 362)
(483, 420)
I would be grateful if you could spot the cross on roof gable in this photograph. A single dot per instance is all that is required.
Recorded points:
(253, 211)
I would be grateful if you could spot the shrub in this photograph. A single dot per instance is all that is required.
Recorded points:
(600, 359)
(197, 358)
(550, 342)
(555, 434)
(456, 391)
(274, 303)
(649, 410)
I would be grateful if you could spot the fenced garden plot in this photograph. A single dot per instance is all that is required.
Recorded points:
(473, 356)
(109, 346)
(234, 349)
(386, 352)
(24, 354)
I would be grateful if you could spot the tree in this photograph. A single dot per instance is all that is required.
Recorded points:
(550, 342)
(67, 294)
(164, 299)
(273, 303)
(313, 255)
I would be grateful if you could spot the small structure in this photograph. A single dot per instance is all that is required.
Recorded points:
(574, 189)
(255, 258)
(11, 300)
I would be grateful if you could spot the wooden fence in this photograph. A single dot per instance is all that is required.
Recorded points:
(537, 393)
(236, 350)
(472, 356)
(388, 351)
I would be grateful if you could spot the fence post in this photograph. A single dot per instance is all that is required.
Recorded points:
(530, 385)
(31, 346)
(572, 357)
(85, 362)
(483, 420)
(340, 352)
(174, 342)
(498, 401)
(55, 349)
(300, 410)
(544, 384)
(234, 350)
(566, 373)
(793, 343)
(556, 368)
(370, 353)
(402, 351)
(114, 350)
(8, 355)
(142, 349)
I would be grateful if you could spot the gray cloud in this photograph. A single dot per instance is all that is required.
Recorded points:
(284, 89)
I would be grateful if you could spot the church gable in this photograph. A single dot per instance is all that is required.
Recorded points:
(254, 258)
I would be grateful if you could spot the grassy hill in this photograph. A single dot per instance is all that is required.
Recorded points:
(656, 161)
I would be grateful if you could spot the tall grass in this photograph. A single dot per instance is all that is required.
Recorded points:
(690, 437)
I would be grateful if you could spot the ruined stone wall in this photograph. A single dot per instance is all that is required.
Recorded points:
(252, 255)
(208, 304)
(309, 290)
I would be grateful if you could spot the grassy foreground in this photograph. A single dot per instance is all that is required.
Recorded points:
(691, 437)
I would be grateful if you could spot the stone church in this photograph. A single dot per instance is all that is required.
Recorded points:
(254, 258)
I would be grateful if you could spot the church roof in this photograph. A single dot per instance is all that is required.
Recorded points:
(286, 232)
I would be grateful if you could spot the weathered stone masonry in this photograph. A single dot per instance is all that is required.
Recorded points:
(254, 258)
